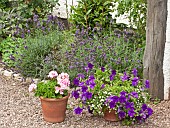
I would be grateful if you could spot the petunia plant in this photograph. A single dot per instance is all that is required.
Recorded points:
(56, 86)
(106, 89)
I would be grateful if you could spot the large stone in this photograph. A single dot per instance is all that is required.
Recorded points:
(8, 73)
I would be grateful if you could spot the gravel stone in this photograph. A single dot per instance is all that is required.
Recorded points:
(21, 109)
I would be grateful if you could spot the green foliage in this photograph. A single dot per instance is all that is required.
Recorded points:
(36, 57)
(119, 50)
(28, 8)
(136, 11)
(90, 12)
(8, 47)
(47, 90)
(15, 18)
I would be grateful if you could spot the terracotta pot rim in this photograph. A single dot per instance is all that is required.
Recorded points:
(55, 99)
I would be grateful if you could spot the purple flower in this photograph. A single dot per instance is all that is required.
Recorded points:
(102, 86)
(84, 88)
(78, 110)
(144, 107)
(122, 99)
(81, 76)
(112, 104)
(122, 114)
(135, 72)
(102, 69)
(147, 84)
(150, 111)
(81, 84)
(75, 94)
(113, 72)
(134, 94)
(76, 82)
(129, 105)
(87, 69)
(123, 93)
(88, 95)
(135, 81)
(131, 113)
(124, 77)
(111, 77)
(90, 66)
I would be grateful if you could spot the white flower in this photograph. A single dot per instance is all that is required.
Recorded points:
(52, 74)
(32, 87)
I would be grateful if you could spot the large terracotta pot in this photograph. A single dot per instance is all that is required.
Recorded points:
(111, 116)
(54, 109)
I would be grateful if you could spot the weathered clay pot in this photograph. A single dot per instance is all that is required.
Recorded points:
(111, 116)
(54, 109)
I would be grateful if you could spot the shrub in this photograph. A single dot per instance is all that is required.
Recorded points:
(36, 57)
(90, 12)
(8, 47)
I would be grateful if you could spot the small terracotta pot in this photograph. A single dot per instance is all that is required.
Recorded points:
(111, 116)
(54, 109)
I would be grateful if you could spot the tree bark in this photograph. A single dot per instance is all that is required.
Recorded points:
(155, 44)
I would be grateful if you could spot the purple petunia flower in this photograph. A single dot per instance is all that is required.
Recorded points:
(90, 65)
(135, 81)
(81, 84)
(78, 110)
(147, 84)
(135, 72)
(144, 107)
(76, 82)
(129, 105)
(82, 76)
(122, 114)
(122, 99)
(134, 94)
(123, 93)
(124, 77)
(111, 77)
(131, 113)
(102, 86)
(75, 94)
(84, 88)
(112, 104)
(113, 72)
(102, 69)
(88, 95)
(150, 111)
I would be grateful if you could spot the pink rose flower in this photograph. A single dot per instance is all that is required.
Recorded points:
(32, 87)
(52, 74)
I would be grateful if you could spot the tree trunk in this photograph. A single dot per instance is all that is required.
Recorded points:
(155, 44)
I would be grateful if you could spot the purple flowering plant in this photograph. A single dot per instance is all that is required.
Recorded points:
(104, 88)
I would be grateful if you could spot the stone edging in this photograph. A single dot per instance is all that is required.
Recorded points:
(10, 74)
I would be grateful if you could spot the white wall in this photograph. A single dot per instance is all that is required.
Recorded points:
(166, 63)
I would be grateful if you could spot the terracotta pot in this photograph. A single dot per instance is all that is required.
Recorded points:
(111, 116)
(54, 109)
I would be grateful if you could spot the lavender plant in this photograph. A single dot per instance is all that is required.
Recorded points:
(117, 49)
(36, 57)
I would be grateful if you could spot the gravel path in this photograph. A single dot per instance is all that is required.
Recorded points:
(19, 109)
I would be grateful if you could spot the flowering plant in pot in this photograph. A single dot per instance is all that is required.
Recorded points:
(105, 89)
(54, 95)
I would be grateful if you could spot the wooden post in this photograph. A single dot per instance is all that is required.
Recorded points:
(155, 43)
